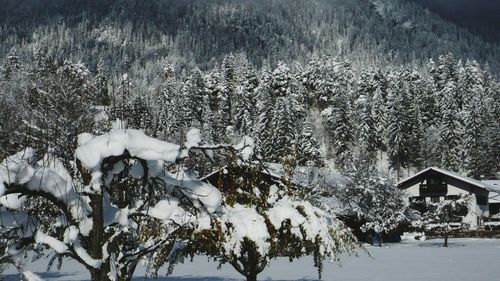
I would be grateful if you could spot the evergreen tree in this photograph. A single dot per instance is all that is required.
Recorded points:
(341, 129)
(244, 109)
(415, 123)
(11, 64)
(263, 127)
(163, 106)
(224, 108)
(59, 108)
(379, 116)
(308, 147)
(122, 99)
(140, 115)
(397, 142)
(472, 150)
(101, 85)
(449, 138)
(367, 130)
(282, 83)
(284, 128)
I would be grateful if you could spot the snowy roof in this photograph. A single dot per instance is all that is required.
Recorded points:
(480, 184)
(493, 184)
(494, 196)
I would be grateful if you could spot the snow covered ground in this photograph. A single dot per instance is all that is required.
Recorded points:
(464, 260)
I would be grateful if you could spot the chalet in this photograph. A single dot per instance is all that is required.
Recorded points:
(435, 184)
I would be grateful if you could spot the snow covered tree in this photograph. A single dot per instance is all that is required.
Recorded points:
(397, 124)
(11, 64)
(101, 85)
(308, 147)
(58, 108)
(163, 107)
(473, 129)
(444, 217)
(312, 79)
(379, 116)
(140, 115)
(244, 108)
(263, 218)
(282, 81)
(194, 92)
(283, 132)
(224, 109)
(340, 126)
(372, 199)
(122, 100)
(367, 131)
(449, 129)
(120, 202)
(263, 124)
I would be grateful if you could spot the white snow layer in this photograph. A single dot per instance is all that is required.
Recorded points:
(193, 138)
(195, 190)
(245, 147)
(16, 169)
(30, 276)
(314, 222)
(12, 201)
(246, 223)
(169, 209)
(47, 175)
(93, 149)
(58, 246)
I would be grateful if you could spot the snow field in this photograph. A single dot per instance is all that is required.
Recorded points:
(464, 260)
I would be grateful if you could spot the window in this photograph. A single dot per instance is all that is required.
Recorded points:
(453, 197)
(435, 199)
(433, 187)
(416, 199)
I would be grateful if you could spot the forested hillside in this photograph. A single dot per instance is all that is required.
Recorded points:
(335, 78)
(128, 33)
(447, 114)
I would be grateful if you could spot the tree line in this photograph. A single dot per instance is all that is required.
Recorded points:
(321, 112)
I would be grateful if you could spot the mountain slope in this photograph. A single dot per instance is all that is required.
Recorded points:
(195, 32)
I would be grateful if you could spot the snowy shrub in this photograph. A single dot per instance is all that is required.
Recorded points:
(443, 218)
(264, 218)
(371, 199)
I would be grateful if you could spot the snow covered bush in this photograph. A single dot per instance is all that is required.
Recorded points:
(372, 200)
(443, 218)
(264, 217)
(124, 197)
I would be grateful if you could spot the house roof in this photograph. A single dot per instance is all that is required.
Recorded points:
(494, 196)
(481, 184)
(493, 184)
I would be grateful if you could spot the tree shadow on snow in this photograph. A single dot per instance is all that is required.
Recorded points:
(207, 278)
(44, 275)
(440, 245)
(184, 278)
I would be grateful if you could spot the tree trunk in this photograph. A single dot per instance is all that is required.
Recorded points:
(445, 241)
(96, 238)
(252, 277)
(99, 275)
(379, 239)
